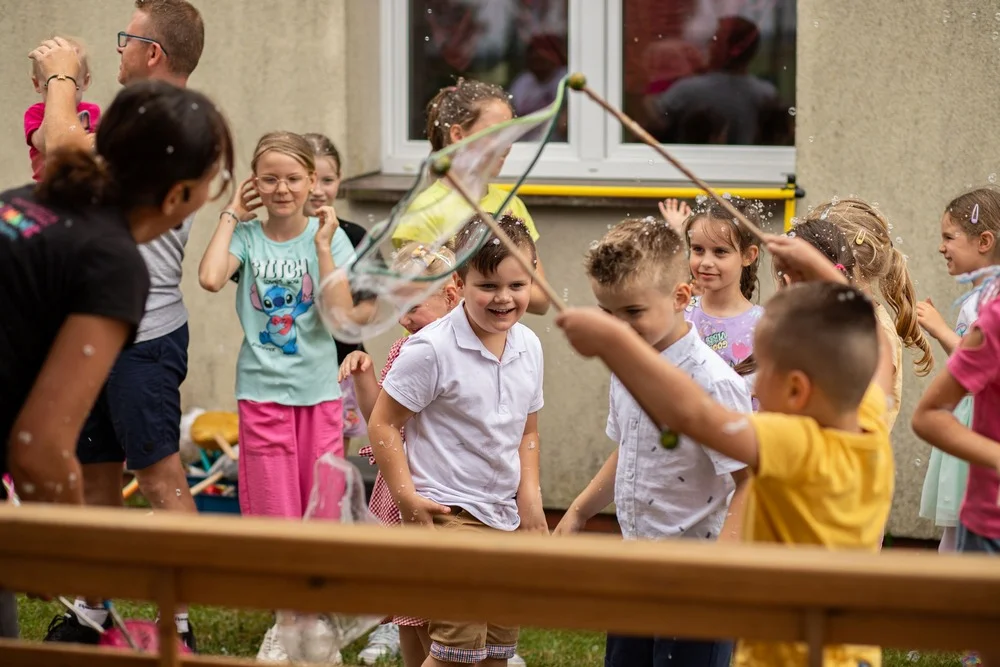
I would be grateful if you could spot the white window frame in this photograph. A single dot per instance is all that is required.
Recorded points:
(594, 150)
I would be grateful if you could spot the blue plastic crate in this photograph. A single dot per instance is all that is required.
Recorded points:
(216, 504)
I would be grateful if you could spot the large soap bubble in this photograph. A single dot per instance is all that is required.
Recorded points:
(433, 214)
(338, 494)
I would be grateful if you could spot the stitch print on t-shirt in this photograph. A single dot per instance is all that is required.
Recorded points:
(26, 220)
(287, 293)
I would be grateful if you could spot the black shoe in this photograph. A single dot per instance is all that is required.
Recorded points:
(67, 628)
(188, 638)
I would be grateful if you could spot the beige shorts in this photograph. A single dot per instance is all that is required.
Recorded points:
(467, 642)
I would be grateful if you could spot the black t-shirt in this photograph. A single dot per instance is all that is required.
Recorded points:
(54, 263)
(356, 233)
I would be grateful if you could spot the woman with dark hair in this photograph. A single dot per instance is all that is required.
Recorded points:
(74, 282)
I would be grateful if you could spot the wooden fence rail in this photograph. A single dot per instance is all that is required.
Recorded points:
(678, 588)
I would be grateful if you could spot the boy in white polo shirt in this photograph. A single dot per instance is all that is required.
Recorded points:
(639, 273)
(468, 389)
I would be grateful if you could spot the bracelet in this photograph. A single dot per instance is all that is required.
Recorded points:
(230, 214)
(61, 77)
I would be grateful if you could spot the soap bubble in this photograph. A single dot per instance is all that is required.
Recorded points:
(433, 214)
(338, 494)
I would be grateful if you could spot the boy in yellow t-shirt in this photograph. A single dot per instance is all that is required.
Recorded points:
(819, 447)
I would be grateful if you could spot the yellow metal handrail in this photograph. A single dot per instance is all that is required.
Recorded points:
(787, 193)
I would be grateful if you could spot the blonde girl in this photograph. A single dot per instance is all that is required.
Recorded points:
(289, 401)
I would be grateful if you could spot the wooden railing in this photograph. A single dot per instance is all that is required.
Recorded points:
(678, 588)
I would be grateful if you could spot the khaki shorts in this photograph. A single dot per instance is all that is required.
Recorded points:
(467, 642)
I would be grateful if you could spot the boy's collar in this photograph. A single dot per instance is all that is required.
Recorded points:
(467, 339)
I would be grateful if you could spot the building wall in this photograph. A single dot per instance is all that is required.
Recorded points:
(893, 106)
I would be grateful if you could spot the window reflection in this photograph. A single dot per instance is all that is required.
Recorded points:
(518, 44)
(711, 71)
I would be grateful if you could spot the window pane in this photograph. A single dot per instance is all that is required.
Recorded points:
(517, 44)
(710, 71)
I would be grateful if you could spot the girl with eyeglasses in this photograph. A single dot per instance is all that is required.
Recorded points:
(289, 400)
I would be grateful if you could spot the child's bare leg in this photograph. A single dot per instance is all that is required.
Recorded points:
(413, 647)
(494, 662)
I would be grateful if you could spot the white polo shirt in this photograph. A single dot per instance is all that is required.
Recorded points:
(462, 443)
(680, 492)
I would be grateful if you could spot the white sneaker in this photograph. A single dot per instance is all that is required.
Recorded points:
(383, 642)
(516, 661)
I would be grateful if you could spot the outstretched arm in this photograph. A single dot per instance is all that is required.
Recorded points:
(669, 396)
(599, 494)
(935, 422)
(41, 452)
(539, 302)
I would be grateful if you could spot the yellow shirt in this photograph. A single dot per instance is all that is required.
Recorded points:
(823, 487)
(439, 211)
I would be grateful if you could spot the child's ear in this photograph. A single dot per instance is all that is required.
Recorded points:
(86, 81)
(987, 243)
(456, 133)
(682, 296)
(176, 196)
(750, 255)
(798, 390)
(451, 293)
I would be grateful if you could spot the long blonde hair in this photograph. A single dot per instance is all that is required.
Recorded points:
(878, 260)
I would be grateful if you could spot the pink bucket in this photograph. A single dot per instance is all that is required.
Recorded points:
(145, 633)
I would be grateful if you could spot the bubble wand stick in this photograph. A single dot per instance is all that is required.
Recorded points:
(578, 82)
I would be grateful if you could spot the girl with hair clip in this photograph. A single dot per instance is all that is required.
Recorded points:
(411, 633)
(455, 113)
(724, 258)
(880, 263)
(71, 269)
(289, 402)
(969, 229)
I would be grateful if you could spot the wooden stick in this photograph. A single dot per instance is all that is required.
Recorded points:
(648, 139)
(514, 251)
(224, 445)
(205, 483)
(167, 603)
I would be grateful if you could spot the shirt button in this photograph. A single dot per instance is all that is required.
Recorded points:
(631, 474)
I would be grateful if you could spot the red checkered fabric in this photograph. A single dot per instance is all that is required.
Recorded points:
(381, 504)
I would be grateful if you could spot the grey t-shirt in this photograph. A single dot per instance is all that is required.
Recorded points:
(165, 311)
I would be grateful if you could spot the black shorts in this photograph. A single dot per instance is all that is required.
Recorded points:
(137, 416)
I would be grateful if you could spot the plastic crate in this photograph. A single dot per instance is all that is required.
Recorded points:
(216, 504)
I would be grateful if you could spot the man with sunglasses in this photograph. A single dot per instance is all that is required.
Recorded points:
(136, 419)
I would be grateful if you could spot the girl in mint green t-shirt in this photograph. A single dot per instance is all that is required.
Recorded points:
(289, 400)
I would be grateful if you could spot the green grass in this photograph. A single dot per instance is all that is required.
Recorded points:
(238, 633)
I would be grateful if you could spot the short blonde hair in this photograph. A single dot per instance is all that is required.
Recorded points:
(287, 143)
(81, 52)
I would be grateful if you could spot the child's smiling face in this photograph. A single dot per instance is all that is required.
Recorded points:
(495, 302)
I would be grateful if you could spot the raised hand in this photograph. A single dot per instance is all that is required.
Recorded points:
(328, 224)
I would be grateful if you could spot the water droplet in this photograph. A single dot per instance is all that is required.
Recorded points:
(88, 350)
(997, 16)
(178, 492)
(812, 139)
(531, 445)
(791, 234)
(974, 16)
(24, 437)
(227, 175)
(992, 178)
(69, 223)
(72, 477)
(28, 487)
(142, 110)
(996, 35)
(913, 656)
(791, 111)
(170, 150)
(945, 16)
(815, 24)
(194, 106)
(916, 462)
(899, 240)
(427, 39)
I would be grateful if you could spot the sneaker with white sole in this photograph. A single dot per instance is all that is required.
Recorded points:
(516, 661)
(383, 642)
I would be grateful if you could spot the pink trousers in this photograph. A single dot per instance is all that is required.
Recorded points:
(279, 445)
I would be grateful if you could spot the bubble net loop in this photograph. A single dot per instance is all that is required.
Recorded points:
(436, 216)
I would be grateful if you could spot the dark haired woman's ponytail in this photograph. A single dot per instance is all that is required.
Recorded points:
(74, 178)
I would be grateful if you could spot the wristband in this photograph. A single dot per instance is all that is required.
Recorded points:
(231, 215)
(61, 77)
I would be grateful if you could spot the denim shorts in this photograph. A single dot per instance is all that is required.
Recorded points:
(137, 416)
(967, 541)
